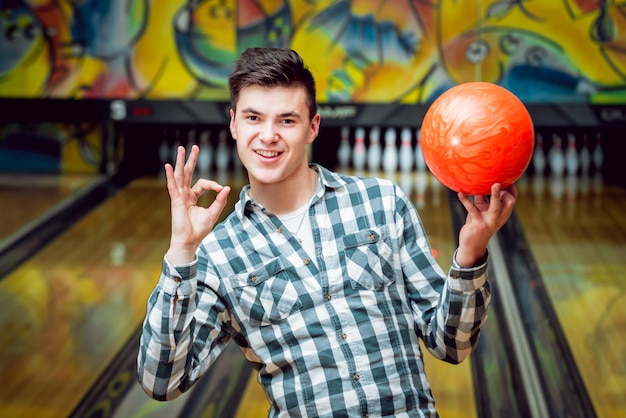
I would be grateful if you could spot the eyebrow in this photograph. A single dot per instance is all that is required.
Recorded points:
(282, 115)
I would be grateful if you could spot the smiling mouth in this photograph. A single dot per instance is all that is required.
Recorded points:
(268, 154)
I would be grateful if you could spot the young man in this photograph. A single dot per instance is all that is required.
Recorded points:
(325, 281)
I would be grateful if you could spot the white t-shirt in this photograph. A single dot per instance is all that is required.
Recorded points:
(299, 224)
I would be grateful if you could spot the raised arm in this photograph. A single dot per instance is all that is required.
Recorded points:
(451, 309)
(177, 345)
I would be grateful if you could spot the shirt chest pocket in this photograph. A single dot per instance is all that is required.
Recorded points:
(369, 259)
(265, 295)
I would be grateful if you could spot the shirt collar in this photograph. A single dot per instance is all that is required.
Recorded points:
(328, 179)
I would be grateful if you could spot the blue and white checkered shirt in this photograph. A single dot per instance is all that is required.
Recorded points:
(338, 337)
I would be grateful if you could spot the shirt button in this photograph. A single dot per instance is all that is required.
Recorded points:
(328, 296)
(253, 279)
(356, 376)
(177, 279)
(372, 236)
(306, 261)
(279, 230)
(344, 336)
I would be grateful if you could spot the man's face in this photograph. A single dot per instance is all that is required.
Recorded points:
(272, 128)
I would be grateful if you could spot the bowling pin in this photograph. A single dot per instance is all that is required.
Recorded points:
(421, 185)
(557, 190)
(598, 153)
(177, 144)
(556, 157)
(539, 163)
(436, 186)
(164, 149)
(343, 153)
(191, 140)
(374, 150)
(522, 183)
(406, 151)
(571, 188)
(222, 153)
(406, 183)
(223, 176)
(205, 156)
(420, 163)
(571, 155)
(584, 185)
(390, 155)
(359, 153)
(585, 157)
(597, 186)
(571, 192)
(237, 164)
(538, 186)
(539, 157)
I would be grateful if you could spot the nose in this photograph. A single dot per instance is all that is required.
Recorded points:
(267, 132)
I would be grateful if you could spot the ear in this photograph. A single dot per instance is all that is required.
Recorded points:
(232, 124)
(315, 128)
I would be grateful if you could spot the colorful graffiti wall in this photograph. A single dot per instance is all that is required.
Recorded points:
(362, 51)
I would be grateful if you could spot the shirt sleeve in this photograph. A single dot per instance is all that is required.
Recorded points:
(449, 309)
(184, 331)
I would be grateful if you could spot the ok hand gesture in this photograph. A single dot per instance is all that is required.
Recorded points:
(190, 222)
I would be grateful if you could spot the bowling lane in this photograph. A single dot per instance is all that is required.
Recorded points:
(452, 384)
(67, 311)
(576, 229)
(25, 197)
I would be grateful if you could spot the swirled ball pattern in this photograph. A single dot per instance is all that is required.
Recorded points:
(476, 134)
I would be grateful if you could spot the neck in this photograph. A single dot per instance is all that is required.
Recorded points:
(285, 196)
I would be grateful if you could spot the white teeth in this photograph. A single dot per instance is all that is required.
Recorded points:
(267, 153)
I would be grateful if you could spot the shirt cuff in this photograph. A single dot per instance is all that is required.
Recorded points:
(176, 278)
(468, 279)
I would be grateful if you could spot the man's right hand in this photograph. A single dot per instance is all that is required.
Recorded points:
(190, 222)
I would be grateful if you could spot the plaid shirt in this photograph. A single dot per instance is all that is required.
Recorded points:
(338, 337)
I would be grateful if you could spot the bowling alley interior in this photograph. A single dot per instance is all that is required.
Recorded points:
(97, 96)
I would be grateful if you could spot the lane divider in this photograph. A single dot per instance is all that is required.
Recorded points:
(522, 352)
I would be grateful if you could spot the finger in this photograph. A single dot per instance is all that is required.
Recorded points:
(172, 187)
(467, 203)
(509, 197)
(219, 203)
(190, 166)
(481, 199)
(203, 185)
(495, 203)
(512, 190)
(179, 168)
(222, 196)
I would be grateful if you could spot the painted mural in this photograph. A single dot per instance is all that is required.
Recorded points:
(363, 51)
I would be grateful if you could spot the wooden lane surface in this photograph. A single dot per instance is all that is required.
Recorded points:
(24, 197)
(452, 384)
(66, 312)
(576, 229)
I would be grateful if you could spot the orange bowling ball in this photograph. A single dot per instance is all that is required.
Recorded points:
(476, 134)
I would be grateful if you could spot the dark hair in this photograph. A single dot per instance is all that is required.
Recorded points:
(271, 67)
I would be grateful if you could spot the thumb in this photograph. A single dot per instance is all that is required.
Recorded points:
(219, 203)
